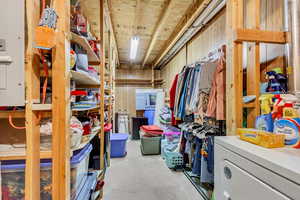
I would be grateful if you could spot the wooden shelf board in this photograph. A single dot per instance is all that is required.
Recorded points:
(85, 109)
(86, 142)
(253, 35)
(20, 114)
(83, 78)
(82, 41)
(21, 155)
(249, 105)
(42, 107)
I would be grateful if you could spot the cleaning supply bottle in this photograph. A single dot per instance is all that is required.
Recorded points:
(277, 112)
(266, 103)
(288, 109)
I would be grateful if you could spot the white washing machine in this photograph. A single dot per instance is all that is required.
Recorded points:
(244, 171)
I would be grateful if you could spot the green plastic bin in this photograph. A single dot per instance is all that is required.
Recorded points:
(150, 145)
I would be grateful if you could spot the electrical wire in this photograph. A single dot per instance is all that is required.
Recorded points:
(44, 90)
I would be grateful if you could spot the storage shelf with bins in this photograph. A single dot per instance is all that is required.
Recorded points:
(59, 109)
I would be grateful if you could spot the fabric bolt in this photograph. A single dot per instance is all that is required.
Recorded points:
(216, 105)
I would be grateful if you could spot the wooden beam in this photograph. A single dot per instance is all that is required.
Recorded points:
(20, 114)
(61, 104)
(32, 170)
(189, 17)
(234, 67)
(102, 76)
(111, 24)
(253, 60)
(160, 22)
(255, 35)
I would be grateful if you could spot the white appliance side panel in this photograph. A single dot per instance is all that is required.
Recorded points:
(263, 173)
(12, 87)
(240, 185)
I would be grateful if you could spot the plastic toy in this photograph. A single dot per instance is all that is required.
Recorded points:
(277, 82)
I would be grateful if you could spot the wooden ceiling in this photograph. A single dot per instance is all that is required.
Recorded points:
(152, 20)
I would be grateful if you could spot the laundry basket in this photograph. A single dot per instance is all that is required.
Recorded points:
(174, 160)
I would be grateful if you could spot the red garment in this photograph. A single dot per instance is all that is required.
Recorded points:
(152, 129)
(172, 98)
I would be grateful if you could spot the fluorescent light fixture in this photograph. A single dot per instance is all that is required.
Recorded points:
(134, 46)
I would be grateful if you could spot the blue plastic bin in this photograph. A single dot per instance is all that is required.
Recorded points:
(118, 145)
(13, 175)
(88, 187)
(150, 115)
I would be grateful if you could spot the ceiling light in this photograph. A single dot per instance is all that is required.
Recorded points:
(134, 46)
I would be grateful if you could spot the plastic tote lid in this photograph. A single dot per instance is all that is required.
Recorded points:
(118, 136)
(77, 157)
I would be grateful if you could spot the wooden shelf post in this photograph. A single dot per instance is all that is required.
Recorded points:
(32, 171)
(236, 35)
(234, 71)
(102, 77)
(61, 104)
(253, 64)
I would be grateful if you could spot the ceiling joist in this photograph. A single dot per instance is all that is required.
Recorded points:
(160, 22)
(111, 27)
(187, 20)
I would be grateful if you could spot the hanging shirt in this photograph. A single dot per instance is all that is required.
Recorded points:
(196, 89)
(216, 104)
(207, 75)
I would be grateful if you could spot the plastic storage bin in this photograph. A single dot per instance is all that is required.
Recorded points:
(173, 160)
(150, 145)
(13, 176)
(88, 187)
(118, 145)
(150, 114)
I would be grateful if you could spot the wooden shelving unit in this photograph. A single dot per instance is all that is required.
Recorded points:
(244, 25)
(82, 41)
(83, 78)
(60, 108)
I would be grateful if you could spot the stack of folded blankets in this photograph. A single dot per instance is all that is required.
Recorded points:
(150, 131)
(165, 115)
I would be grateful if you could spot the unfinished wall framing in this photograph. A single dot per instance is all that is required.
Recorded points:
(270, 17)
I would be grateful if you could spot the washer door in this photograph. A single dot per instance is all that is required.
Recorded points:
(240, 185)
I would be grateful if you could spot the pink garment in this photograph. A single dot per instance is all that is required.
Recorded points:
(216, 104)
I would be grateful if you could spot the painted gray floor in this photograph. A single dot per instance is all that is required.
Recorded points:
(138, 177)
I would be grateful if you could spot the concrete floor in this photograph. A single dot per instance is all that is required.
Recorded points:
(138, 177)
